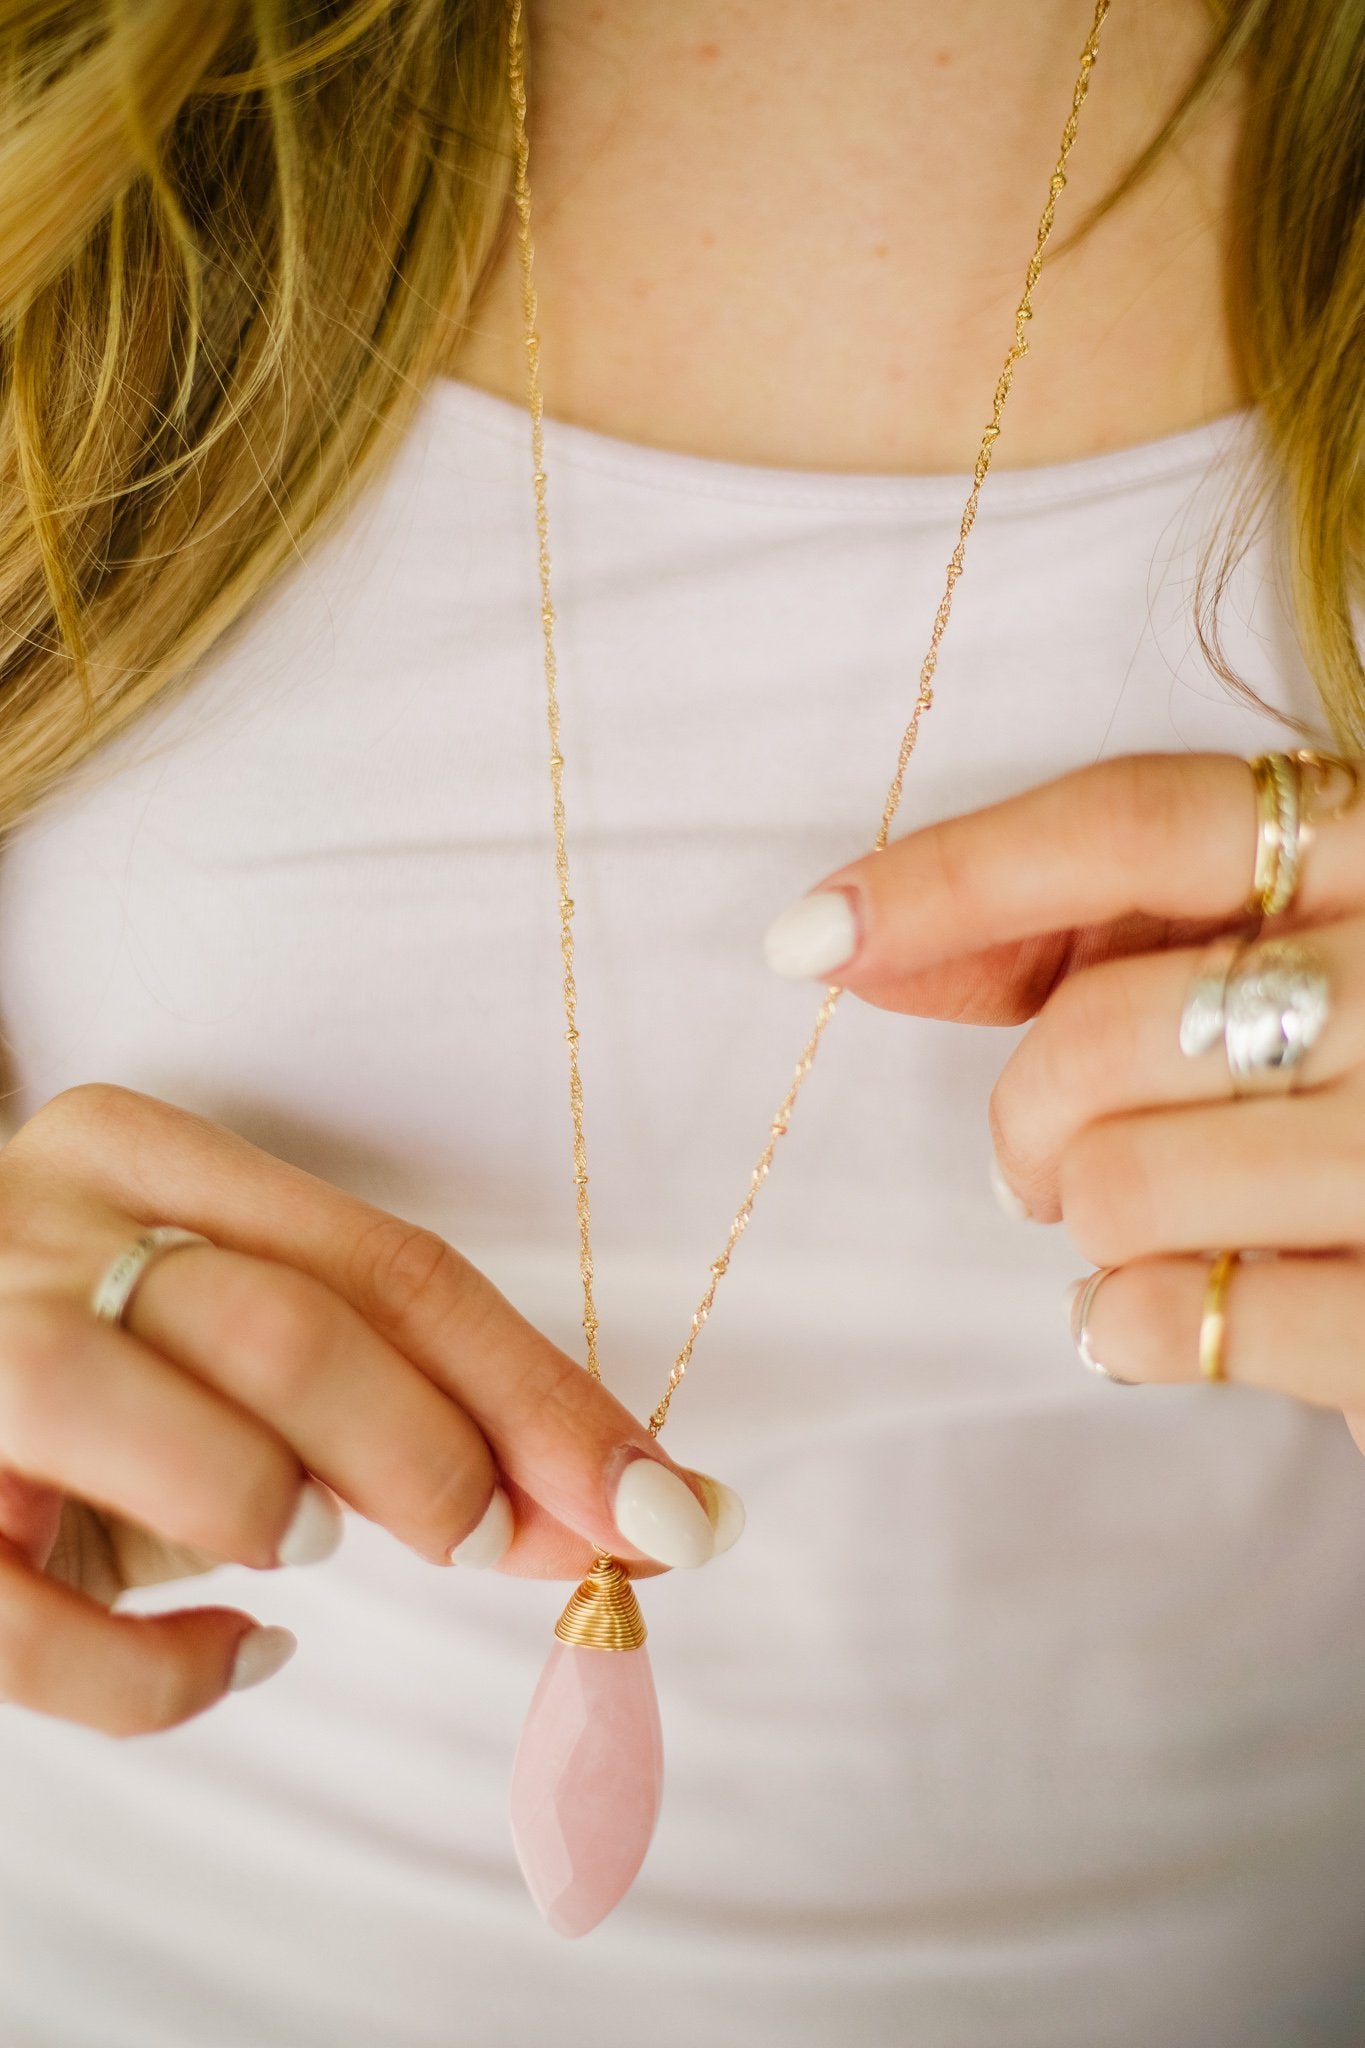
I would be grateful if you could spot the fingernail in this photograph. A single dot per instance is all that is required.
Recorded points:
(660, 1515)
(813, 936)
(491, 1538)
(315, 1531)
(724, 1509)
(1013, 1205)
(260, 1654)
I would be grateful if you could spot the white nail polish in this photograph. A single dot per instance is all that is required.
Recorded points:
(660, 1515)
(813, 936)
(725, 1510)
(1013, 1205)
(315, 1531)
(260, 1654)
(490, 1539)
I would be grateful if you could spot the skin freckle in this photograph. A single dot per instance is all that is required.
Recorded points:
(943, 58)
(707, 53)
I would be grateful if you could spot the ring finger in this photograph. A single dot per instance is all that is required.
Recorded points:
(1108, 1042)
(1291, 1325)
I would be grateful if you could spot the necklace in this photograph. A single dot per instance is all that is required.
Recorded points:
(588, 1775)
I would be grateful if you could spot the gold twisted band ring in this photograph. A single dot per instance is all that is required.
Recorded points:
(1295, 793)
(1213, 1324)
(1279, 834)
(114, 1289)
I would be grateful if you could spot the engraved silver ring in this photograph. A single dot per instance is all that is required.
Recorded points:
(1267, 1003)
(1277, 1002)
(114, 1289)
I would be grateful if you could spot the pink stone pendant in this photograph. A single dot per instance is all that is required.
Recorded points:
(588, 1776)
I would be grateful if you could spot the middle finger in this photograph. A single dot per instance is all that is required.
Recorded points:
(1107, 1043)
(1279, 1174)
(358, 1413)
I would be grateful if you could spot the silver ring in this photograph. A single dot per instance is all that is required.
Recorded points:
(1276, 1003)
(1080, 1326)
(1204, 1016)
(114, 1289)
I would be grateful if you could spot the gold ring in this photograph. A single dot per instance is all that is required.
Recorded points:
(1295, 793)
(1213, 1324)
(1279, 833)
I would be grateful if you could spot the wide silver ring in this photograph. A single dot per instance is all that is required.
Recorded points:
(114, 1289)
(1204, 1017)
(1276, 1003)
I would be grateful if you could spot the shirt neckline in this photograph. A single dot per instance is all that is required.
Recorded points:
(1195, 450)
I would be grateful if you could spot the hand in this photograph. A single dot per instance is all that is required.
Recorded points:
(1087, 905)
(315, 1335)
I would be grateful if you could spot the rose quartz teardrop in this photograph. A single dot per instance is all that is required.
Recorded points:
(587, 1782)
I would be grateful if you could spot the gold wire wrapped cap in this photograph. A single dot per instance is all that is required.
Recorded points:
(604, 1613)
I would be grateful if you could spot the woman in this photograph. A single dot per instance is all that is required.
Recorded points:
(1027, 1711)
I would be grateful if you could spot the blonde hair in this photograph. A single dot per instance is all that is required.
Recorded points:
(237, 238)
(231, 254)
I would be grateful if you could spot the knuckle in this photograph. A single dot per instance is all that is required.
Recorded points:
(257, 1513)
(398, 1266)
(20, 1661)
(1013, 1140)
(1085, 1034)
(34, 1370)
(77, 1129)
(1106, 1190)
(450, 1501)
(957, 866)
(1060, 1072)
(1145, 807)
(90, 1106)
(285, 1326)
(1127, 810)
(1145, 1310)
(170, 1691)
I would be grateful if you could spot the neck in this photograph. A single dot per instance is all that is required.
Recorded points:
(796, 235)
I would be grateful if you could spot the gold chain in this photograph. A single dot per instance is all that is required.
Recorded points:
(536, 405)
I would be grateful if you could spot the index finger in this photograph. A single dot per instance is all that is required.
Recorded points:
(1143, 840)
(559, 1437)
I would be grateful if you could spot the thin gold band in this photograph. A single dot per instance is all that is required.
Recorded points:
(1213, 1325)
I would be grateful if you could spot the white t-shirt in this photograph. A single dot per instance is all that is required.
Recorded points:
(1029, 1712)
